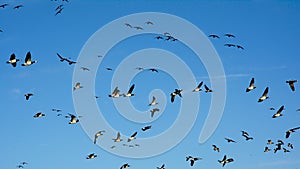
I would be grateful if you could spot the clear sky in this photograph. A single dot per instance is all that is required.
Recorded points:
(269, 31)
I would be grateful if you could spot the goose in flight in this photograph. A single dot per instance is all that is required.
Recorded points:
(125, 166)
(129, 93)
(118, 139)
(91, 156)
(251, 86)
(286, 150)
(290, 145)
(198, 88)
(98, 134)
(176, 92)
(230, 140)
(192, 159)
(3, 5)
(215, 148)
(207, 90)
(225, 160)
(267, 149)
(28, 95)
(12, 60)
(288, 133)
(278, 113)
(18, 6)
(146, 128)
(214, 36)
(73, 119)
(270, 142)
(132, 137)
(162, 167)
(138, 28)
(77, 86)
(291, 84)
(229, 45)
(115, 93)
(128, 25)
(28, 60)
(264, 95)
(229, 35)
(152, 111)
(153, 102)
(149, 23)
(39, 115)
(247, 137)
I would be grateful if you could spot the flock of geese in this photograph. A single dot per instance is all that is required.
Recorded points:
(13, 60)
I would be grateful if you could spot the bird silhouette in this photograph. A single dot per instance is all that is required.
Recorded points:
(292, 84)
(198, 88)
(264, 95)
(12, 60)
(28, 60)
(251, 86)
(278, 113)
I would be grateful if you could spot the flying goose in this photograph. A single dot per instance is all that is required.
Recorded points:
(229, 45)
(192, 159)
(129, 93)
(278, 113)
(152, 111)
(244, 133)
(270, 142)
(73, 119)
(128, 25)
(28, 95)
(291, 84)
(176, 92)
(115, 93)
(215, 148)
(153, 70)
(61, 58)
(290, 145)
(28, 60)
(132, 137)
(240, 47)
(125, 166)
(225, 160)
(251, 86)
(138, 28)
(3, 5)
(214, 36)
(285, 150)
(162, 167)
(59, 11)
(207, 90)
(198, 88)
(288, 133)
(98, 134)
(230, 140)
(149, 23)
(118, 139)
(77, 86)
(39, 115)
(153, 102)
(229, 35)
(18, 6)
(267, 149)
(247, 137)
(91, 156)
(56, 110)
(12, 60)
(146, 128)
(264, 95)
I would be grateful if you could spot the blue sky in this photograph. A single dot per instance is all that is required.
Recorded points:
(269, 32)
